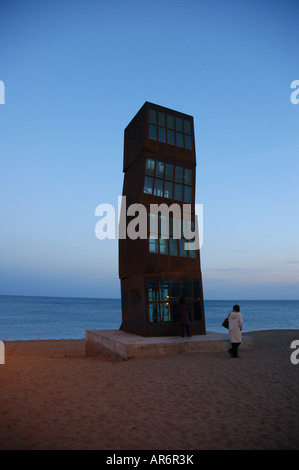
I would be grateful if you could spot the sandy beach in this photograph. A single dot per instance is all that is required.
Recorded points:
(53, 397)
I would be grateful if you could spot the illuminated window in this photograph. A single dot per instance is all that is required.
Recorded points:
(163, 299)
(159, 308)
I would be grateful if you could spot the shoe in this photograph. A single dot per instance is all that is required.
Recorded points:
(230, 352)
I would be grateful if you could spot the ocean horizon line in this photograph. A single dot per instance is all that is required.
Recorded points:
(119, 298)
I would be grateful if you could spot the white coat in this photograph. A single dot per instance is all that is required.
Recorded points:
(235, 322)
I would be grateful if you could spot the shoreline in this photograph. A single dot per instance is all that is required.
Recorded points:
(223, 330)
(53, 397)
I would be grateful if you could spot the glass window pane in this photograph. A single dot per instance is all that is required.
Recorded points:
(163, 289)
(179, 172)
(188, 142)
(185, 288)
(148, 185)
(192, 253)
(152, 116)
(170, 137)
(163, 246)
(173, 246)
(162, 134)
(158, 188)
(165, 312)
(174, 310)
(187, 126)
(169, 171)
(161, 119)
(170, 121)
(195, 288)
(154, 316)
(178, 192)
(175, 227)
(188, 176)
(160, 169)
(149, 167)
(179, 124)
(174, 289)
(183, 225)
(153, 245)
(187, 230)
(187, 194)
(179, 139)
(153, 290)
(164, 226)
(152, 132)
(183, 252)
(171, 226)
(168, 192)
(153, 225)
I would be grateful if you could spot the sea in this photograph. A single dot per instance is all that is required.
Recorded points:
(41, 318)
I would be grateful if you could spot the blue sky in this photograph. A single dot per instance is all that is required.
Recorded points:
(76, 72)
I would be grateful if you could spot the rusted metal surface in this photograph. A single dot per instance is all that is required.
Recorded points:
(138, 266)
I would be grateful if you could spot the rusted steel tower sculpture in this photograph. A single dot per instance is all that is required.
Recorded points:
(155, 267)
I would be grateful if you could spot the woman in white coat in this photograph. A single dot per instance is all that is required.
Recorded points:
(235, 322)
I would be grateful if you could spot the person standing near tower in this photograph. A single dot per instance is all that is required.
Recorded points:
(184, 320)
(235, 321)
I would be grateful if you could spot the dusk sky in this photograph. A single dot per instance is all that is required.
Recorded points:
(75, 74)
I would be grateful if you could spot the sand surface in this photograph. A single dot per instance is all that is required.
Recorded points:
(53, 397)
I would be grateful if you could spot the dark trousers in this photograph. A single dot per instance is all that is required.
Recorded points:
(234, 349)
(187, 327)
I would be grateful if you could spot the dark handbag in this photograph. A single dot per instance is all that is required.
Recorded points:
(225, 323)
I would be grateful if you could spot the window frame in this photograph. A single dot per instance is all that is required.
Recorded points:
(172, 246)
(170, 129)
(156, 299)
(182, 177)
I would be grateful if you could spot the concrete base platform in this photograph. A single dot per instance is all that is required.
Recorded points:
(117, 343)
